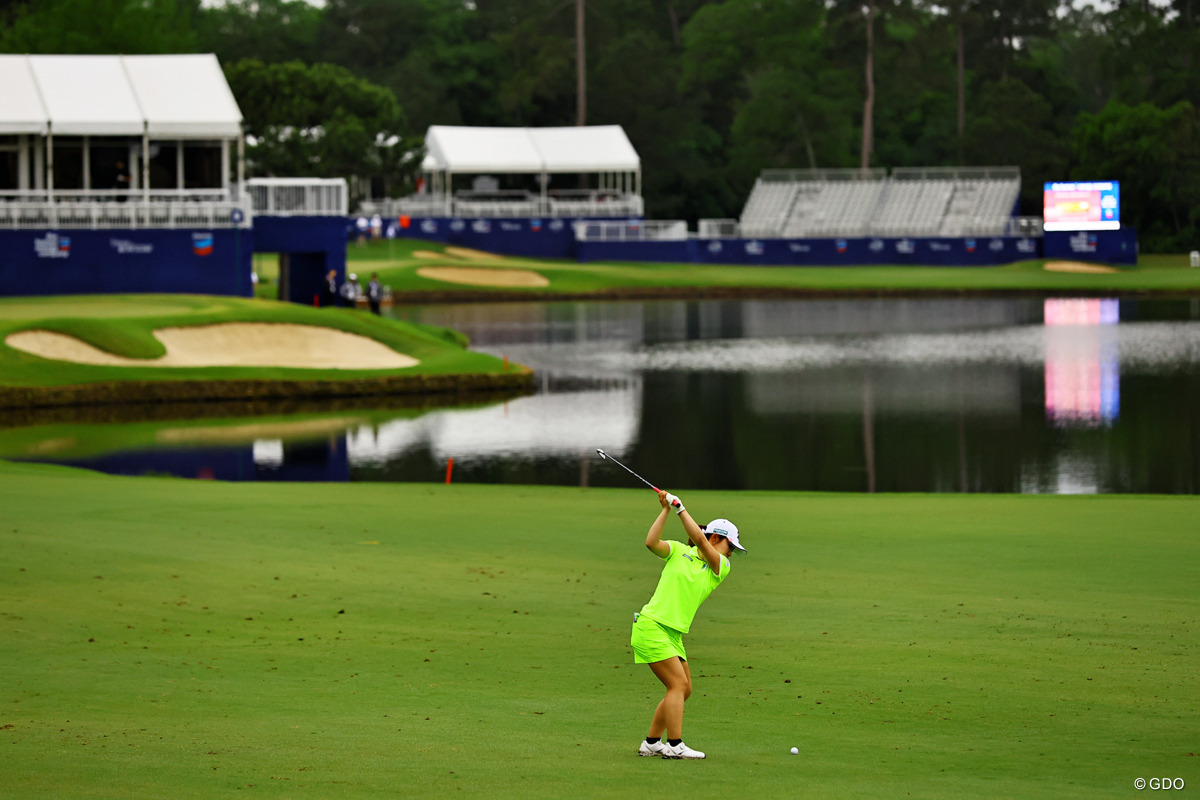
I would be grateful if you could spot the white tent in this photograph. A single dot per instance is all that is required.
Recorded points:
(154, 98)
(597, 149)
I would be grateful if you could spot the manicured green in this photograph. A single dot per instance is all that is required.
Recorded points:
(397, 265)
(124, 325)
(167, 638)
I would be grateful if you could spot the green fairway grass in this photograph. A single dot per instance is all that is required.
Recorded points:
(162, 638)
(124, 325)
(397, 265)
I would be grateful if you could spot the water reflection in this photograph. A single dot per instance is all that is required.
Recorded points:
(944, 395)
(1082, 364)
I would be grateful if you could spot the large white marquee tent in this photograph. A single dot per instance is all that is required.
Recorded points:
(115, 102)
(603, 150)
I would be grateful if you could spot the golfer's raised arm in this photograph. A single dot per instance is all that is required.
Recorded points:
(654, 542)
(701, 541)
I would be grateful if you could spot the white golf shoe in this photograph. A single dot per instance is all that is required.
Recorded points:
(656, 749)
(681, 750)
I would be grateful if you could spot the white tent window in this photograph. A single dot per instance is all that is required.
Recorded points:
(118, 112)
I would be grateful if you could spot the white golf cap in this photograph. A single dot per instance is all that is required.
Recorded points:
(353, 277)
(723, 527)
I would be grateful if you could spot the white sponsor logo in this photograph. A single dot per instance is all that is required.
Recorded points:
(556, 224)
(481, 226)
(52, 246)
(458, 225)
(126, 247)
(876, 245)
(1083, 242)
(428, 226)
(714, 247)
(797, 247)
(754, 248)
(1026, 246)
(510, 226)
(996, 245)
(939, 247)
(906, 246)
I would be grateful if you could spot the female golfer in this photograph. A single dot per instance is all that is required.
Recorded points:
(689, 575)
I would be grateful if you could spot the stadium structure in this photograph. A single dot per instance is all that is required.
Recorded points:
(576, 193)
(126, 174)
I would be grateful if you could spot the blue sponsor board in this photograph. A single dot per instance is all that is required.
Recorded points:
(540, 238)
(979, 251)
(1108, 247)
(312, 246)
(46, 261)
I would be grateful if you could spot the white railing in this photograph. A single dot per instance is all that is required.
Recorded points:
(632, 231)
(128, 215)
(718, 229)
(467, 205)
(299, 197)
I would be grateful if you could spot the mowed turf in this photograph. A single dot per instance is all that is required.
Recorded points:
(165, 638)
(398, 263)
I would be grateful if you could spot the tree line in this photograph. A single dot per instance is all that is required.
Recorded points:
(709, 92)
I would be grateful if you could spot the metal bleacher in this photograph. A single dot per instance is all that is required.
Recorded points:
(946, 201)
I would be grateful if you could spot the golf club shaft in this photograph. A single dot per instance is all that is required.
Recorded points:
(627, 469)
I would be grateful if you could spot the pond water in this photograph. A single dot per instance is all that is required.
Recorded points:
(1030, 395)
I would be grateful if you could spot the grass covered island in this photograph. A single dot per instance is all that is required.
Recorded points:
(429, 272)
(148, 348)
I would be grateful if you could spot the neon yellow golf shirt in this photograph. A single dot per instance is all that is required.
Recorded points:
(685, 583)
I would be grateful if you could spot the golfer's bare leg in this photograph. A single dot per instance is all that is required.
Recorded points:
(668, 717)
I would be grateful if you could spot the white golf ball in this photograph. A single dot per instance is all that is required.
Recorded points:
(795, 750)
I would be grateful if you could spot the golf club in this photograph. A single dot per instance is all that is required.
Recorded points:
(627, 469)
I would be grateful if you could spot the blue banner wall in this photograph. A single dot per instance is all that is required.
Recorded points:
(539, 238)
(40, 262)
(981, 251)
(314, 245)
(1109, 247)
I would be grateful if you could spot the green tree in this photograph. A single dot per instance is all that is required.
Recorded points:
(101, 27)
(322, 121)
(268, 30)
(1155, 154)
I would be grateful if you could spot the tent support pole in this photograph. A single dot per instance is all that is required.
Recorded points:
(241, 165)
(50, 165)
(146, 163)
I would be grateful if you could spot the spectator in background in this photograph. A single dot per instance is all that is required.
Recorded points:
(329, 292)
(374, 293)
(121, 181)
(376, 227)
(350, 291)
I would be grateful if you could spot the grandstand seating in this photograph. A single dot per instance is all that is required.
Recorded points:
(768, 207)
(911, 202)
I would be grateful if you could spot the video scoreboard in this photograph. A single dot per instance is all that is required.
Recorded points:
(1082, 206)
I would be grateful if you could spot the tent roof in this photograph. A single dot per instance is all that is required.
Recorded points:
(597, 148)
(180, 96)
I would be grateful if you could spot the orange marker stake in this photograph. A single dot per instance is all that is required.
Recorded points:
(449, 469)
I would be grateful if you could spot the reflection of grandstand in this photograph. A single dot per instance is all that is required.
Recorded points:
(911, 202)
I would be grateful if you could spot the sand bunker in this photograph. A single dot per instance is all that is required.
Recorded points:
(457, 252)
(235, 344)
(484, 277)
(1076, 266)
(466, 252)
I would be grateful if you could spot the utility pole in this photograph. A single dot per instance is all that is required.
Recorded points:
(580, 66)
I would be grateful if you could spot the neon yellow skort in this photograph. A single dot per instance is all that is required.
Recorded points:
(653, 641)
